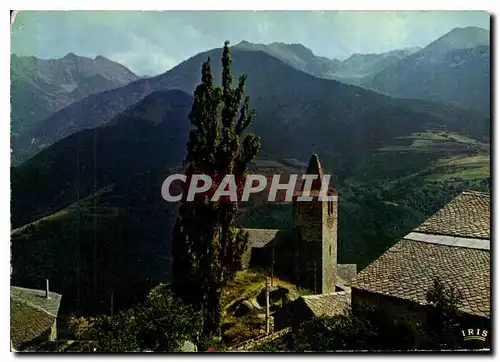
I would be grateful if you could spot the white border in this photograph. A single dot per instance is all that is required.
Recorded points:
(490, 5)
(257, 5)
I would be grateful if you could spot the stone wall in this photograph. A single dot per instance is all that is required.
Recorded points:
(411, 313)
(329, 255)
(308, 223)
(316, 259)
(401, 310)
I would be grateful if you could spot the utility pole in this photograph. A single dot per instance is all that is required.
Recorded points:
(272, 268)
(267, 307)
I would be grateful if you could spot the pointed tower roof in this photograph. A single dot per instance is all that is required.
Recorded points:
(314, 168)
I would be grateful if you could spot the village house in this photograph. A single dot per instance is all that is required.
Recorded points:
(33, 316)
(452, 245)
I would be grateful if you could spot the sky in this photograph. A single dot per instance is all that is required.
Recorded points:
(150, 43)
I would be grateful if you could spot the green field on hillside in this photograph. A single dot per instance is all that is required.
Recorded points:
(432, 155)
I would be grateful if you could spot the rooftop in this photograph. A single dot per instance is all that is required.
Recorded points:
(260, 238)
(408, 269)
(36, 298)
(31, 314)
(328, 304)
(453, 245)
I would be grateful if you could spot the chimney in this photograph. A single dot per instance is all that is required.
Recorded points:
(47, 295)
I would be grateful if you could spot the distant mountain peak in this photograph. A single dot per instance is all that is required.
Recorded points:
(293, 45)
(70, 56)
(454, 69)
(468, 37)
(101, 58)
(470, 28)
(469, 31)
(297, 47)
(244, 42)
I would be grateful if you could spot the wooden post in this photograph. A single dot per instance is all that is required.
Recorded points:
(272, 268)
(267, 306)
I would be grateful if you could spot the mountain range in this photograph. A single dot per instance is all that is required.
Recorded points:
(350, 70)
(97, 109)
(454, 69)
(41, 87)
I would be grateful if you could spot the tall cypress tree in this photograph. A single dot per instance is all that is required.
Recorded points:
(207, 246)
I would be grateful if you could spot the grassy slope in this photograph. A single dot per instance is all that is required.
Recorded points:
(247, 284)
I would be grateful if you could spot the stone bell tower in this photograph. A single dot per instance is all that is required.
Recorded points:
(316, 225)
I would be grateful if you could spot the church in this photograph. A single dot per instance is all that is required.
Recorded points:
(307, 253)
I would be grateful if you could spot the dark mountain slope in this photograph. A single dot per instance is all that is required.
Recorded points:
(454, 69)
(149, 136)
(116, 240)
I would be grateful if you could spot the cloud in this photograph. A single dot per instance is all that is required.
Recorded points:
(149, 58)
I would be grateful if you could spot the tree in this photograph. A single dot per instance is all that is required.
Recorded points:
(368, 328)
(340, 332)
(444, 320)
(207, 246)
(161, 323)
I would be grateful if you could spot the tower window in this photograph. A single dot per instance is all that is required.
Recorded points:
(330, 250)
(330, 207)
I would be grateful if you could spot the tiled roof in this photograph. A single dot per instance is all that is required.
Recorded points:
(31, 314)
(468, 215)
(259, 238)
(407, 271)
(328, 304)
(37, 298)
